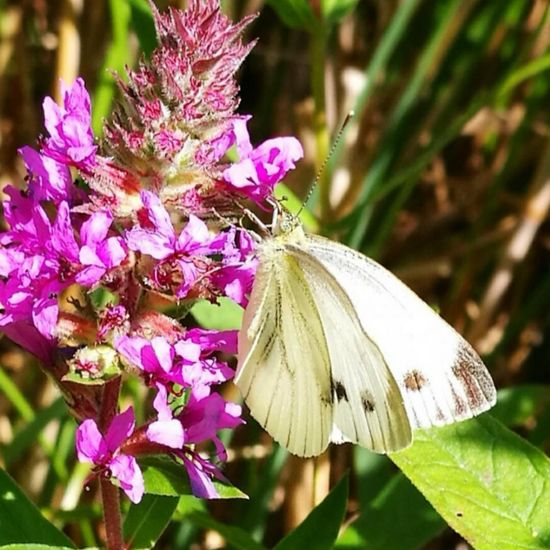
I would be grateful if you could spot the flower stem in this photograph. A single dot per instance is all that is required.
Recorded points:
(109, 492)
(111, 514)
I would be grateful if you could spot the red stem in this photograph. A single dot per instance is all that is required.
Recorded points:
(109, 492)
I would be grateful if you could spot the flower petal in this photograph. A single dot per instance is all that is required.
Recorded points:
(90, 445)
(126, 470)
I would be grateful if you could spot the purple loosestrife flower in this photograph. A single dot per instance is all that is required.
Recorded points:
(260, 168)
(201, 419)
(235, 276)
(149, 230)
(71, 143)
(71, 140)
(41, 259)
(48, 178)
(96, 254)
(104, 451)
(182, 259)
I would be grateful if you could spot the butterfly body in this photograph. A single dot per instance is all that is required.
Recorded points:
(333, 347)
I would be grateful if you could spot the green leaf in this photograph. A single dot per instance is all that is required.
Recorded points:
(35, 547)
(400, 518)
(225, 315)
(143, 24)
(320, 529)
(164, 477)
(235, 536)
(516, 406)
(295, 13)
(21, 521)
(489, 484)
(147, 520)
(529, 70)
(116, 57)
(335, 10)
(28, 434)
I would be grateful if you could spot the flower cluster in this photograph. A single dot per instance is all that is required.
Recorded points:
(104, 240)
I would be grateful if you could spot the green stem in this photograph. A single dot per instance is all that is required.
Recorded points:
(317, 59)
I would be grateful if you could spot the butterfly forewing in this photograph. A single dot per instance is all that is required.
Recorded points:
(284, 365)
(440, 376)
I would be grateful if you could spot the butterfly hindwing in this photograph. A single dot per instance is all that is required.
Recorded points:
(441, 377)
(368, 407)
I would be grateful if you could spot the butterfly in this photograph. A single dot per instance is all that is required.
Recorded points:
(335, 348)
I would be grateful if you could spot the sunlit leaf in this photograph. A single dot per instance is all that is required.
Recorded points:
(489, 484)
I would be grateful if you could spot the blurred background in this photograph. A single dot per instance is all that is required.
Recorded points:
(442, 175)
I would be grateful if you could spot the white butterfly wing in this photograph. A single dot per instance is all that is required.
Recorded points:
(368, 407)
(306, 368)
(441, 377)
(283, 363)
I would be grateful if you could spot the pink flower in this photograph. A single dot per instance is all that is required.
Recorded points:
(157, 238)
(259, 169)
(104, 452)
(236, 275)
(203, 417)
(48, 178)
(71, 140)
(98, 252)
(40, 259)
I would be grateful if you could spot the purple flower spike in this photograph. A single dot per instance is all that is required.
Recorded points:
(104, 452)
(258, 170)
(71, 139)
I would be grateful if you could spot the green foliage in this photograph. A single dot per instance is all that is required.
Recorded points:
(320, 529)
(224, 315)
(22, 522)
(427, 71)
(399, 518)
(489, 484)
(299, 14)
(235, 536)
(147, 520)
(164, 477)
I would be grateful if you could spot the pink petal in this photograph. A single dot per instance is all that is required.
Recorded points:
(95, 228)
(166, 432)
(121, 427)
(195, 232)
(62, 237)
(160, 403)
(158, 214)
(147, 242)
(189, 351)
(90, 445)
(126, 470)
(164, 353)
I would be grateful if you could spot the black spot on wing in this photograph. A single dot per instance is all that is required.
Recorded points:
(367, 401)
(338, 390)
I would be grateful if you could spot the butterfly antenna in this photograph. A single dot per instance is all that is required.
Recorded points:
(323, 166)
